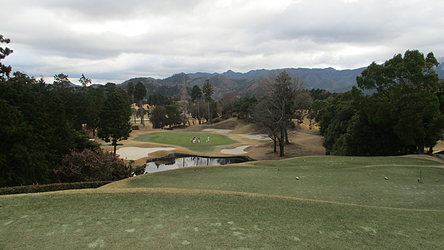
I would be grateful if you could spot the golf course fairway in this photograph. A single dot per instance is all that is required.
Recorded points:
(334, 203)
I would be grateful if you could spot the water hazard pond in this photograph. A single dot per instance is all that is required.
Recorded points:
(169, 163)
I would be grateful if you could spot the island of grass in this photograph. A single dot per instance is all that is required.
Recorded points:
(204, 141)
(335, 203)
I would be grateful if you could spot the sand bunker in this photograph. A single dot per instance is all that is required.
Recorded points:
(135, 153)
(222, 131)
(235, 151)
(260, 137)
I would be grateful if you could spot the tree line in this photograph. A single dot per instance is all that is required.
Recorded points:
(42, 125)
(273, 114)
(396, 109)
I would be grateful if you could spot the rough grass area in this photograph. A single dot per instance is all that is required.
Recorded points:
(337, 203)
(183, 139)
(231, 123)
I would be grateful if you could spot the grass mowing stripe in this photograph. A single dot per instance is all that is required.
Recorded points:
(320, 178)
(207, 221)
(213, 192)
(240, 207)
(394, 165)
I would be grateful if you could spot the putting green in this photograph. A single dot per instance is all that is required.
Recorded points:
(204, 141)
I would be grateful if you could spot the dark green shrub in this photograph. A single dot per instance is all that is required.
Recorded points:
(51, 187)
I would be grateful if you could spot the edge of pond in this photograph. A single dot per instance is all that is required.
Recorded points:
(168, 157)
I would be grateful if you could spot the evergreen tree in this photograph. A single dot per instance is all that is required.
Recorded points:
(158, 116)
(85, 81)
(114, 124)
(4, 52)
(130, 91)
(61, 80)
(208, 91)
(196, 93)
(196, 96)
(139, 94)
(173, 116)
(402, 116)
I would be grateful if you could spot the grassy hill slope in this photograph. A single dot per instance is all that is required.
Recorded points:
(337, 203)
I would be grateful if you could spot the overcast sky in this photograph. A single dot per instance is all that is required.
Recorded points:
(111, 40)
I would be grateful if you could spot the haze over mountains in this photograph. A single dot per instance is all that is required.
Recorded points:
(249, 83)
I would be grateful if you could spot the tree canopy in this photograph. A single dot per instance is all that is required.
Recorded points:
(139, 92)
(37, 126)
(114, 123)
(207, 90)
(4, 52)
(139, 95)
(402, 115)
(85, 81)
(196, 93)
(275, 112)
(166, 115)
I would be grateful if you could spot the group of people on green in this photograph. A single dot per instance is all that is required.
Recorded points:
(195, 140)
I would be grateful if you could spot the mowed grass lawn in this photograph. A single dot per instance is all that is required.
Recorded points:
(355, 180)
(183, 139)
(337, 203)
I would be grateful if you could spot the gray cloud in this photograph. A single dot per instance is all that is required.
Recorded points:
(116, 40)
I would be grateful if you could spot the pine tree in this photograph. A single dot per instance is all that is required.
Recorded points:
(114, 124)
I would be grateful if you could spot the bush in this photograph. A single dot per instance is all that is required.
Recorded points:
(51, 187)
(90, 165)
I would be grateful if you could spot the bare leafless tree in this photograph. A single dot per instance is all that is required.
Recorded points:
(275, 112)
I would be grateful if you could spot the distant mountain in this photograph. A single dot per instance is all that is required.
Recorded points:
(249, 83)
(155, 86)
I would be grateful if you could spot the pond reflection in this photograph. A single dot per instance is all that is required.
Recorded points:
(184, 162)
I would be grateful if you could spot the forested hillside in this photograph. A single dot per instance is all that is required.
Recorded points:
(250, 83)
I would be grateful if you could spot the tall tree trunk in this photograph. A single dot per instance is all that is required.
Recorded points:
(209, 112)
(421, 147)
(286, 136)
(274, 144)
(115, 146)
(430, 151)
(141, 112)
(282, 143)
(198, 112)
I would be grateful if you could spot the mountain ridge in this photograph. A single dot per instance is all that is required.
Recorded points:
(248, 83)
